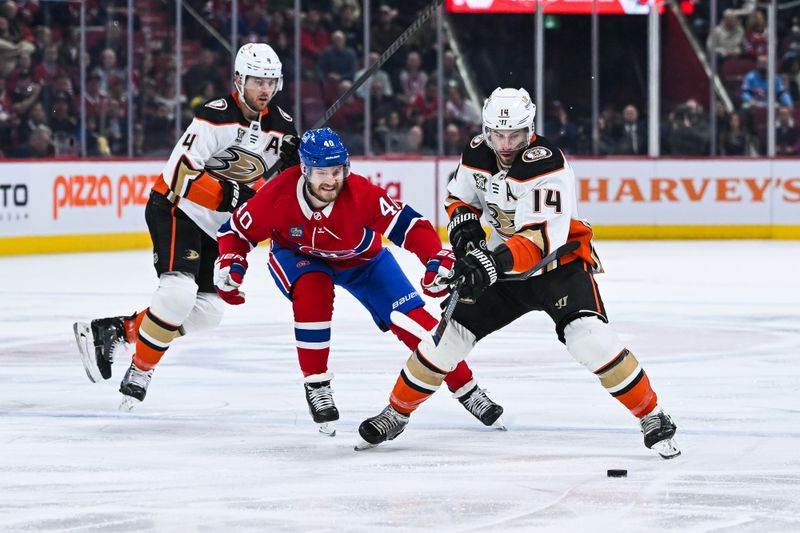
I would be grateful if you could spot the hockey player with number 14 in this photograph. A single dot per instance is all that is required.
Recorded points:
(325, 224)
(524, 187)
(215, 167)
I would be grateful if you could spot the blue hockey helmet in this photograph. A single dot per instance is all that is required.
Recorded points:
(323, 148)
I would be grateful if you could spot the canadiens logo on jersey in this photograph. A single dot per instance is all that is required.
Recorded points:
(536, 153)
(237, 164)
(296, 231)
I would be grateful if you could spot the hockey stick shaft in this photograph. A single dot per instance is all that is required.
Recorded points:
(423, 16)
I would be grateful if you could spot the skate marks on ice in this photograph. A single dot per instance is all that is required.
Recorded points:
(224, 441)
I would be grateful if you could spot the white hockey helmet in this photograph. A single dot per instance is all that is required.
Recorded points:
(259, 60)
(508, 109)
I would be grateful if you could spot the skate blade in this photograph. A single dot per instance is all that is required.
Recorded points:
(499, 425)
(667, 449)
(328, 429)
(362, 445)
(128, 403)
(83, 336)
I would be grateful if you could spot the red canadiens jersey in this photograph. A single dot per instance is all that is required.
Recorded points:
(346, 233)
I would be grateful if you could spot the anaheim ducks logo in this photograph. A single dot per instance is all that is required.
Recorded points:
(237, 165)
(476, 141)
(535, 154)
(220, 104)
(502, 221)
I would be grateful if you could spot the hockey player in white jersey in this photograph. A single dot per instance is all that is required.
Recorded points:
(217, 165)
(525, 189)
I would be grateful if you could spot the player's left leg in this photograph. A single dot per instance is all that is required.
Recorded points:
(571, 297)
(308, 283)
(383, 288)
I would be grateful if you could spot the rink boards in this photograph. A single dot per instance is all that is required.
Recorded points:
(66, 206)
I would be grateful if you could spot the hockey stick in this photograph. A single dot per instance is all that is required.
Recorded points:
(423, 16)
(403, 321)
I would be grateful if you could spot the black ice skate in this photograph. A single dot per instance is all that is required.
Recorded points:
(482, 407)
(97, 344)
(320, 403)
(658, 429)
(134, 387)
(377, 429)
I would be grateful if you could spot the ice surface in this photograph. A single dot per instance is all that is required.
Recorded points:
(224, 442)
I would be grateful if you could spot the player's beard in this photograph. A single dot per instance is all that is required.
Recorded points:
(257, 104)
(325, 193)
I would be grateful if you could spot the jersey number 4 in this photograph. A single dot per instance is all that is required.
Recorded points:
(550, 197)
(388, 207)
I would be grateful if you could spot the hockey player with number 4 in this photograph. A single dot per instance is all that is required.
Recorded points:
(325, 223)
(215, 167)
(524, 187)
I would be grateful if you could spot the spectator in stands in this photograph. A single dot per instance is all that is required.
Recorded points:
(314, 38)
(790, 76)
(11, 46)
(414, 142)
(607, 139)
(734, 139)
(689, 130)
(380, 104)
(633, 134)
(755, 88)
(208, 92)
(386, 30)
(116, 129)
(389, 135)
(111, 76)
(350, 117)
(26, 93)
(24, 64)
(755, 38)
(43, 39)
(8, 119)
(453, 140)
(40, 144)
(346, 21)
(338, 61)
(17, 26)
(450, 70)
(423, 107)
(36, 117)
(46, 71)
(253, 26)
(412, 78)
(203, 72)
(460, 110)
(787, 133)
(63, 119)
(378, 74)
(69, 50)
(158, 132)
(727, 37)
(560, 129)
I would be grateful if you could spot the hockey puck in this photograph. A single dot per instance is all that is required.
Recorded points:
(617, 473)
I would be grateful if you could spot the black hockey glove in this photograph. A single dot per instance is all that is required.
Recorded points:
(234, 195)
(465, 232)
(478, 270)
(288, 153)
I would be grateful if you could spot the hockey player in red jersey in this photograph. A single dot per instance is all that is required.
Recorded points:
(325, 224)
(216, 166)
(524, 187)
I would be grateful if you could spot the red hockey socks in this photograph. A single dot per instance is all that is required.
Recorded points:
(312, 303)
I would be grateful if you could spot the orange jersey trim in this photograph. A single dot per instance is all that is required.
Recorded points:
(455, 205)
